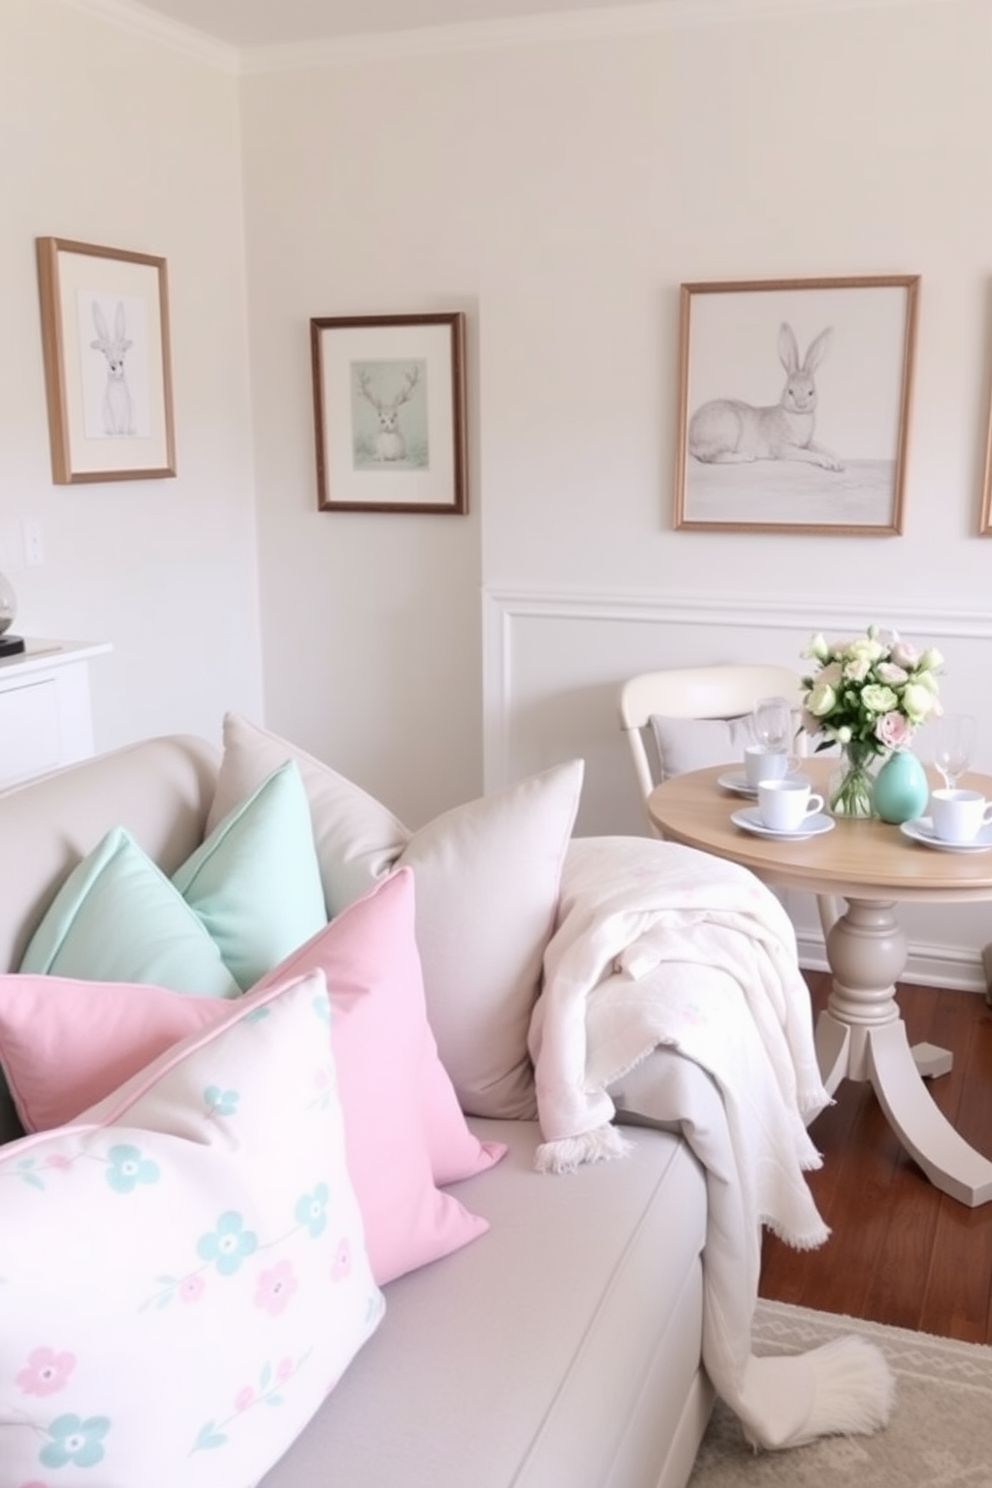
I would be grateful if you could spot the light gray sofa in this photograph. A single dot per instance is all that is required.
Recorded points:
(561, 1349)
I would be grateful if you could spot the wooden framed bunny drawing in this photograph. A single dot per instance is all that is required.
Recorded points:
(794, 399)
(108, 379)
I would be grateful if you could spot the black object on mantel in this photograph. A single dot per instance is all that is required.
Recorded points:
(11, 645)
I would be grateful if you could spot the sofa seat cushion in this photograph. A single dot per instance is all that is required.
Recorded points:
(523, 1358)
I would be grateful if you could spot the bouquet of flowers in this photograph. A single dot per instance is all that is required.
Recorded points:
(870, 695)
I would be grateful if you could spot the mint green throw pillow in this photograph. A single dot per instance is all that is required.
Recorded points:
(248, 896)
(255, 881)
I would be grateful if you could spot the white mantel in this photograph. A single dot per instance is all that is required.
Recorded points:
(45, 715)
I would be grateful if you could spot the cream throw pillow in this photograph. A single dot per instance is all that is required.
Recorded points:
(699, 743)
(486, 878)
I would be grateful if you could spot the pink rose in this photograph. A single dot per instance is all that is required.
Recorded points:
(905, 655)
(893, 730)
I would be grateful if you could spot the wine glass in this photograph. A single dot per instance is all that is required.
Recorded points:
(773, 723)
(954, 743)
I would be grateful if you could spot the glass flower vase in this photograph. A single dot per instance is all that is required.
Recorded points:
(849, 792)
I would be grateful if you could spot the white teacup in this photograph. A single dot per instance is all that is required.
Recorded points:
(959, 815)
(762, 763)
(785, 804)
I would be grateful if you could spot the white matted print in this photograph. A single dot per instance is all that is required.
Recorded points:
(794, 403)
(105, 338)
(389, 413)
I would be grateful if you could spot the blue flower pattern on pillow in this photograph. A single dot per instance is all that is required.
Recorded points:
(290, 1350)
(311, 1211)
(220, 1102)
(229, 1244)
(75, 1441)
(128, 1168)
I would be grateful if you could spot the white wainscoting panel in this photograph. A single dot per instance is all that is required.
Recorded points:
(554, 663)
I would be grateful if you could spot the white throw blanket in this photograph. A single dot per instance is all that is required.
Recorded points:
(660, 947)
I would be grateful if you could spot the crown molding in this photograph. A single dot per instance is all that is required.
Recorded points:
(132, 16)
(591, 23)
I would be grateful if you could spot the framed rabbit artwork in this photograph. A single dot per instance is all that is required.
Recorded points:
(389, 412)
(105, 340)
(794, 400)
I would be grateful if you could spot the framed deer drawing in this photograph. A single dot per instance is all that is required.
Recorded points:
(794, 399)
(105, 341)
(389, 412)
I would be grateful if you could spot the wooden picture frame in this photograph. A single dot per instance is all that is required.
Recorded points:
(764, 365)
(108, 380)
(389, 413)
(985, 515)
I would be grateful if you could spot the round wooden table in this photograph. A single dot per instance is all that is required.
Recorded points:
(873, 867)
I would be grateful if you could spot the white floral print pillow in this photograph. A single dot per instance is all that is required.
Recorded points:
(183, 1275)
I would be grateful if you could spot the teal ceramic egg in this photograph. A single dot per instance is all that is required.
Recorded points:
(901, 788)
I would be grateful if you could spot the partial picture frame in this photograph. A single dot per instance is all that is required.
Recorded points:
(107, 358)
(794, 404)
(389, 413)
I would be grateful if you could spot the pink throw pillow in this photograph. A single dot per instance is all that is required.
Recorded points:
(454, 1151)
(66, 1044)
(392, 1085)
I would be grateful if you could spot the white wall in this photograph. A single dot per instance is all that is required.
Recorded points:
(557, 181)
(560, 183)
(114, 139)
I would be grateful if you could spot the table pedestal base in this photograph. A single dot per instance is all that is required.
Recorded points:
(861, 1036)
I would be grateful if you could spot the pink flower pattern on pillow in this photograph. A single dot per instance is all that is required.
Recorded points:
(46, 1371)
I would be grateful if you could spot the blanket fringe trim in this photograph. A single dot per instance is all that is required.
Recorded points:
(855, 1389)
(853, 1392)
(564, 1156)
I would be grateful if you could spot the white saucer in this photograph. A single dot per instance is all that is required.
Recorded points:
(921, 830)
(736, 781)
(750, 819)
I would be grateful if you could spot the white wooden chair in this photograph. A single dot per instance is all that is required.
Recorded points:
(715, 692)
(708, 692)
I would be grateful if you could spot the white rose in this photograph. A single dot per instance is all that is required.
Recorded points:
(816, 650)
(918, 702)
(822, 699)
(878, 699)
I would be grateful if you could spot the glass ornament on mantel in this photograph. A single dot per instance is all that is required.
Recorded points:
(10, 645)
(8, 604)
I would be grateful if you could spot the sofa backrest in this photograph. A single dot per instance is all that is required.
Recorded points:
(160, 790)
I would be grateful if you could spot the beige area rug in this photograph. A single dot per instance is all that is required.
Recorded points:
(940, 1434)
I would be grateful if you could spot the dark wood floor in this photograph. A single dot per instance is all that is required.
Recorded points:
(900, 1251)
